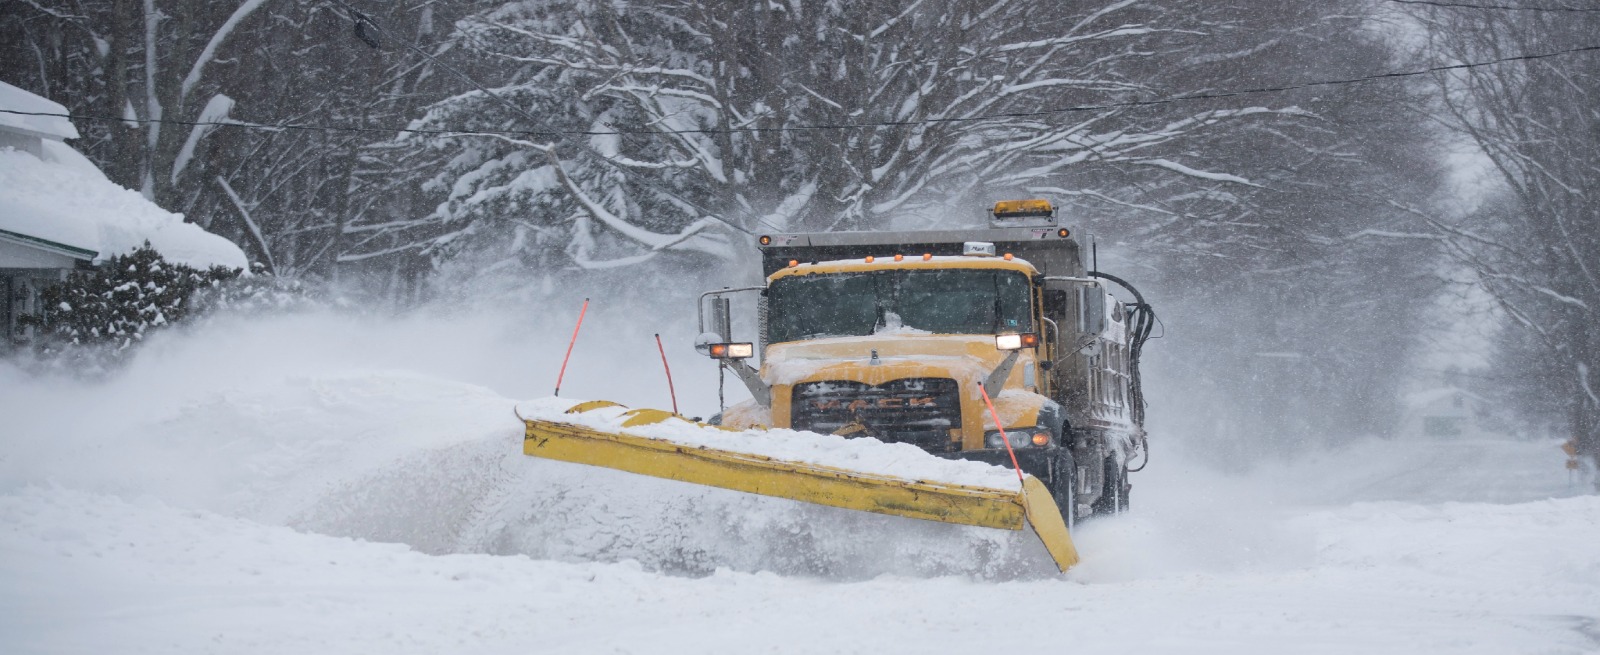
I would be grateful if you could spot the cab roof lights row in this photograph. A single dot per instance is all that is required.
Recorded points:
(1003, 210)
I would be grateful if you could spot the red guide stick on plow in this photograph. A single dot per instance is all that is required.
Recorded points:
(664, 365)
(570, 344)
(1004, 437)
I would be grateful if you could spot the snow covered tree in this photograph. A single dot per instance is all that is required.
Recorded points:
(141, 73)
(671, 126)
(1537, 252)
(1289, 320)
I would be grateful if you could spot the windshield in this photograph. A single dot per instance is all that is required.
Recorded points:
(943, 301)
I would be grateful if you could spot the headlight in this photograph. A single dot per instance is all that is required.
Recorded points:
(728, 350)
(1016, 341)
(1020, 438)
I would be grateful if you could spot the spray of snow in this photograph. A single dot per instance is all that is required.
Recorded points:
(347, 426)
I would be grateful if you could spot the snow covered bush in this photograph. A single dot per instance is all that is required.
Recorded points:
(112, 308)
(95, 318)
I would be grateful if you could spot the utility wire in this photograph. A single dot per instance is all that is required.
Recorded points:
(1462, 5)
(837, 126)
(275, 127)
(363, 21)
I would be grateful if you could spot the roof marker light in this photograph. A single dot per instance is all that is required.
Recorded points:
(1007, 257)
(899, 258)
(793, 263)
(927, 256)
(870, 258)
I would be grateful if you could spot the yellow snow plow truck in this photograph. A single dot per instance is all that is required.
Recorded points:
(999, 345)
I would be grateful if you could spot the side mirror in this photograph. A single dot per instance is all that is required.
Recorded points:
(721, 317)
(1092, 310)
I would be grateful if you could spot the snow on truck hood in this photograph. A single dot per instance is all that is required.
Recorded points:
(968, 358)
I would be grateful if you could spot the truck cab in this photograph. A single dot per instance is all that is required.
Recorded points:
(924, 337)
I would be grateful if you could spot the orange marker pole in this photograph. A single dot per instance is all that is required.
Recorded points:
(664, 365)
(570, 344)
(1004, 438)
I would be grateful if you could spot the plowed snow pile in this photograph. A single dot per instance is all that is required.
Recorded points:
(341, 485)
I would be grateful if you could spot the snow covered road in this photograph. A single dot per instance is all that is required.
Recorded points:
(337, 506)
(94, 573)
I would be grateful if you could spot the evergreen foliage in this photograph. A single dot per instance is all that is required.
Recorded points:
(118, 304)
(95, 318)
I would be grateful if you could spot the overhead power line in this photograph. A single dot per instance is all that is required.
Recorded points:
(1129, 104)
(1463, 5)
(364, 22)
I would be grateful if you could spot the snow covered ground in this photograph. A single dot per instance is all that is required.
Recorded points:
(336, 484)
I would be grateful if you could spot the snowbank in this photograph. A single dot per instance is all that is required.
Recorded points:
(65, 199)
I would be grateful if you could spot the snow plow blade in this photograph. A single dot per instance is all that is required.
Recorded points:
(935, 501)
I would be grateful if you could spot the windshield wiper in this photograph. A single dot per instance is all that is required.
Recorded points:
(995, 325)
(880, 320)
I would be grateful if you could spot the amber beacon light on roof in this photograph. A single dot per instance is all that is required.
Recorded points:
(1036, 208)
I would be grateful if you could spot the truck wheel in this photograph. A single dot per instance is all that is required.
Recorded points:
(1114, 495)
(1063, 489)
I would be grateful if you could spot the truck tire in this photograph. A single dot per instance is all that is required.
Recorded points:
(1063, 488)
(1114, 495)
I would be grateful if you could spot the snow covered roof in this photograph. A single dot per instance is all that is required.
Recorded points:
(47, 127)
(64, 199)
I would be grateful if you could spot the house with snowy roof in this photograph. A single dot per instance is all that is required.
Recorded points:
(59, 212)
(1446, 412)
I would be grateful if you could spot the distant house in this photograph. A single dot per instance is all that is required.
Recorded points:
(59, 213)
(1445, 413)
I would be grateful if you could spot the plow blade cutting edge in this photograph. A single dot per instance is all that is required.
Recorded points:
(823, 485)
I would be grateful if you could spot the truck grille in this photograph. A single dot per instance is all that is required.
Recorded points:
(918, 411)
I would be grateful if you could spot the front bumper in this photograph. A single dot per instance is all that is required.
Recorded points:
(1034, 461)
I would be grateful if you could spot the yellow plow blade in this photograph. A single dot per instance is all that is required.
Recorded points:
(812, 483)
